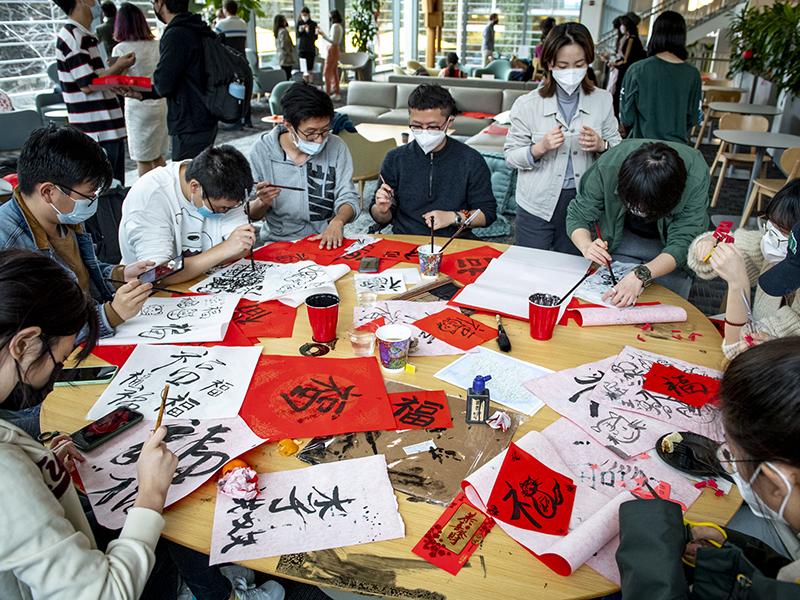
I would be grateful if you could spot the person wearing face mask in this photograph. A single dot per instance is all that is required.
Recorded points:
(556, 133)
(192, 208)
(757, 397)
(630, 51)
(434, 177)
(775, 308)
(303, 153)
(307, 43)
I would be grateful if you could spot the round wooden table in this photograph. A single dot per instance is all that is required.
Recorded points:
(745, 108)
(389, 568)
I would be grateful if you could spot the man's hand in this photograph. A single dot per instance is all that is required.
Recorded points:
(441, 218)
(384, 198)
(239, 242)
(266, 193)
(127, 93)
(729, 264)
(552, 140)
(590, 140)
(133, 270)
(332, 236)
(597, 252)
(129, 298)
(626, 292)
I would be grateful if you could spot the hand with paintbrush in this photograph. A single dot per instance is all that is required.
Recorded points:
(266, 193)
(156, 466)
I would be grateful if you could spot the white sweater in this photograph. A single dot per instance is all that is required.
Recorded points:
(47, 549)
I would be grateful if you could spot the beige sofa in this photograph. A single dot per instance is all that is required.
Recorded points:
(488, 84)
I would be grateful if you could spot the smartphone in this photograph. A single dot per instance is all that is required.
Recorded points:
(369, 264)
(105, 428)
(162, 271)
(86, 375)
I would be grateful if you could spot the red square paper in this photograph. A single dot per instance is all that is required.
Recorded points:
(421, 409)
(456, 329)
(299, 397)
(279, 252)
(270, 319)
(321, 256)
(690, 388)
(466, 266)
(530, 495)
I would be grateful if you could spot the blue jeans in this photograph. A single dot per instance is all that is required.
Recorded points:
(26, 419)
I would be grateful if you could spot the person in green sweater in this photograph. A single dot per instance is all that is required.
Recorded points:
(661, 96)
(649, 200)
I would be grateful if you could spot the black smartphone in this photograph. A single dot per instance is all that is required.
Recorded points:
(368, 264)
(86, 375)
(105, 428)
(162, 271)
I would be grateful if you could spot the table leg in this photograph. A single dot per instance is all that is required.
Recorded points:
(756, 170)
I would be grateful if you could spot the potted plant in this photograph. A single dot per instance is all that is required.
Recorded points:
(363, 29)
(245, 8)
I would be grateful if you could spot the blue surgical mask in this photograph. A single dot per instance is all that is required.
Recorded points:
(310, 148)
(204, 211)
(83, 210)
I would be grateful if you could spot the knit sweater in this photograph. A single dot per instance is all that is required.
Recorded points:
(774, 316)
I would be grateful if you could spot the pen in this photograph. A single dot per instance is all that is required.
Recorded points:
(158, 289)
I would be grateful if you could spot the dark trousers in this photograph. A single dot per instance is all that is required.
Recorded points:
(534, 232)
(633, 248)
(189, 145)
(115, 150)
(288, 70)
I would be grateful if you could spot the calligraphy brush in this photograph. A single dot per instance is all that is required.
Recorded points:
(574, 287)
(461, 228)
(155, 287)
(249, 222)
(431, 233)
(286, 187)
(502, 337)
(608, 262)
(164, 393)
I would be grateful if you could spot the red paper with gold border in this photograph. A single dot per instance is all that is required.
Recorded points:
(456, 329)
(690, 388)
(421, 409)
(466, 266)
(271, 319)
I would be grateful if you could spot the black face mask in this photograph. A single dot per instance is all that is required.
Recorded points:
(158, 14)
(25, 396)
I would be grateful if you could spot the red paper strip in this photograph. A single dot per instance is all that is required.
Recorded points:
(456, 329)
(467, 265)
(423, 409)
(455, 536)
(142, 84)
(530, 495)
(298, 397)
(271, 319)
(373, 325)
(690, 388)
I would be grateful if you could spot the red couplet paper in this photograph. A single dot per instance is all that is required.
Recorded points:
(421, 409)
(690, 388)
(530, 495)
(299, 397)
(389, 253)
(373, 325)
(270, 319)
(467, 265)
(455, 536)
(456, 329)
(321, 256)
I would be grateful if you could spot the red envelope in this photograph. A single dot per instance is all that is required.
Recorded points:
(690, 388)
(456, 329)
(530, 495)
(422, 409)
(467, 265)
(455, 536)
(270, 319)
(299, 397)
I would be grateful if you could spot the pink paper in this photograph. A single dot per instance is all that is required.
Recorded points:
(202, 448)
(659, 313)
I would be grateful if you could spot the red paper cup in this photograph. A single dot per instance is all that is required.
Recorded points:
(543, 314)
(323, 315)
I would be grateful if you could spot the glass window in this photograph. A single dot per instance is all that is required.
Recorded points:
(265, 39)
(449, 31)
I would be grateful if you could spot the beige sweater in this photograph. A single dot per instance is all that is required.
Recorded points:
(772, 318)
(47, 549)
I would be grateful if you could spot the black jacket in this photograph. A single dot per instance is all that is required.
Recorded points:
(307, 36)
(180, 75)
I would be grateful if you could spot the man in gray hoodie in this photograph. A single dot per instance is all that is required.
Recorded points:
(302, 153)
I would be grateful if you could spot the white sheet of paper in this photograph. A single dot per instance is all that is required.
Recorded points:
(191, 319)
(360, 243)
(599, 282)
(316, 508)
(507, 373)
(204, 383)
(238, 278)
(202, 447)
(380, 283)
(334, 273)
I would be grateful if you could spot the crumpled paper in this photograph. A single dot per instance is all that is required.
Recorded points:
(241, 482)
(499, 420)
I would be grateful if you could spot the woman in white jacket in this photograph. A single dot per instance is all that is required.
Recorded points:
(556, 133)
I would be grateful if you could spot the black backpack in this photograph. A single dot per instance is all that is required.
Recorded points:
(224, 66)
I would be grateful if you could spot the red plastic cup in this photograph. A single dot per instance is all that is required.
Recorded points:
(543, 315)
(323, 315)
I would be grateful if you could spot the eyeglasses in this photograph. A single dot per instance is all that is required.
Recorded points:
(315, 135)
(727, 460)
(68, 191)
(769, 229)
(420, 128)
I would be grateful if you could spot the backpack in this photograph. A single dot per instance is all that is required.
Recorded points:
(229, 81)
(103, 226)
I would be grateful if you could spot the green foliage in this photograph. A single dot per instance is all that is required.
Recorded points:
(364, 24)
(245, 7)
(765, 41)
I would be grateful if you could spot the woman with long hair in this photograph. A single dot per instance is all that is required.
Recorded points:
(284, 45)
(630, 51)
(452, 70)
(335, 39)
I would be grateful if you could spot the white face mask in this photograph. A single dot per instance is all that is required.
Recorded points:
(304, 18)
(428, 140)
(569, 79)
(774, 245)
(758, 506)
(622, 29)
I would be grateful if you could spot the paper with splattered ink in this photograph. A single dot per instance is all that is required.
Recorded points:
(599, 282)
(456, 329)
(270, 319)
(316, 508)
(691, 388)
(298, 396)
(202, 448)
(421, 409)
(189, 319)
(204, 383)
(467, 265)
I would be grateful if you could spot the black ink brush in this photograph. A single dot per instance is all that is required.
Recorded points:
(431, 233)
(502, 337)
(463, 226)
(250, 222)
(155, 287)
(608, 262)
(574, 287)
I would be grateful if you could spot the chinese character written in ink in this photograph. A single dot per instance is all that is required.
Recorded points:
(132, 392)
(590, 382)
(680, 386)
(159, 332)
(453, 325)
(217, 388)
(619, 430)
(462, 528)
(124, 484)
(544, 504)
(182, 357)
(329, 396)
(471, 266)
(439, 454)
(319, 506)
(175, 407)
(252, 313)
(197, 459)
(415, 414)
(243, 523)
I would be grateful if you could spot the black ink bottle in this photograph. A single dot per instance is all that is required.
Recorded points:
(478, 400)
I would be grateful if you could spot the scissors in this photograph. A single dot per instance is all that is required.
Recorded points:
(47, 436)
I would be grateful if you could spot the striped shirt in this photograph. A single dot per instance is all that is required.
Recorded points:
(232, 27)
(79, 58)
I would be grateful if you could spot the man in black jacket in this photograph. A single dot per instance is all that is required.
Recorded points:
(180, 77)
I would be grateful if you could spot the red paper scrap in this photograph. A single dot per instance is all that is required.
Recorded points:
(271, 319)
(142, 84)
(423, 409)
(530, 495)
(305, 249)
(299, 397)
(373, 325)
(321, 256)
(455, 536)
(690, 388)
(456, 329)
(466, 266)
(662, 489)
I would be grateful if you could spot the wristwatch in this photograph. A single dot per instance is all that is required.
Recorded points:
(459, 218)
(643, 274)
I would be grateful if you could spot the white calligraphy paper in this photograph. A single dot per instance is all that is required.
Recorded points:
(191, 319)
(380, 283)
(204, 383)
(202, 448)
(360, 243)
(599, 282)
(507, 373)
(316, 508)
(242, 277)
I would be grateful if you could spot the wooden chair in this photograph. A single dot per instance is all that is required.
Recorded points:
(708, 114)
(367, 158)
(725, 156)
(790, 164)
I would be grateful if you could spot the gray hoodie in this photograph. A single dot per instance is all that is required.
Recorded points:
(327, 181)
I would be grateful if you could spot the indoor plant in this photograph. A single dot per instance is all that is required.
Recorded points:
(363, 29)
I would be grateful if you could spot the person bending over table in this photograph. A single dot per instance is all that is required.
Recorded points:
(435, 176)
(192, 208)
(303, 153)
(649, 200)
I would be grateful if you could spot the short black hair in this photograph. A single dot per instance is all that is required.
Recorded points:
(66, 5)
(546, 25)
(177, 7)
(669, 35)
(231, 7)
(784, 207)
(427, 96)
(223, 172)
(303, 101)
(109, 9)
(494, 16)
(336, 17)
(62, 155)
(651, 180)
(306, 10)
(630, 24)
